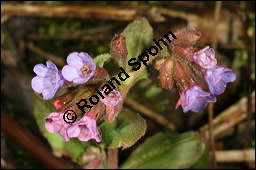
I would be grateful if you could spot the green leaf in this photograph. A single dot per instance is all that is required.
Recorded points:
(143, 75)
(139, 35)
(124, 131)
(204, 162)
(74, 148)
(166, 150)
(101, 59)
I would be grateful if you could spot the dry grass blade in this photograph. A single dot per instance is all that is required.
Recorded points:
(229, 117)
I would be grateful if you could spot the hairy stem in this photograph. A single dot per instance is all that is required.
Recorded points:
(112, 159)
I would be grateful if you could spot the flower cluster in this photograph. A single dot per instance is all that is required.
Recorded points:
(84, 129)
(80, 69)
(180, 68)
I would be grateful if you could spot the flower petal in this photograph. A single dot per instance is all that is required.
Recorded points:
(49, 92)
(43, 71)
(205, 58)
(59, 79)
(75, 60)
(51, 66)
(70, 73)
(85, 57)
(217, 78)
(37, 84)
(63, 134)
(81, 80)
(73, 131)
(85, 134)
(52, 127)
(228, 76)
(195, 99)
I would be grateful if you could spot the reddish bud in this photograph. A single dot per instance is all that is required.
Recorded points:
(118, 48)
(99, 75)
(58, 104)
(183, 51)
(113, 112)
(166, 74)
(187, 35)
(183, 76)
(159, 63)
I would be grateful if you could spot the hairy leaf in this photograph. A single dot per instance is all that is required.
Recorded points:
(101, 59)
(139, 36)
(166, 150)
(124, 131)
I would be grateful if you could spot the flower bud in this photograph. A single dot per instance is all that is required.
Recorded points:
(166, 74)
(160, 63)
(187, 35)
(183, 51)
(205, 58)
(183, 76)
(118, 48)
(99, 75)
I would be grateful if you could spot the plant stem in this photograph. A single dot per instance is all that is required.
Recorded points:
(211, 105)
(112, 159)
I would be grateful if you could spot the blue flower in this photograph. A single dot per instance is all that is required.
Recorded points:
(194, 99)
(48, 79)
(217, 79)
(80, 68)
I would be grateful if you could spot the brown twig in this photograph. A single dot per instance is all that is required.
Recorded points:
(67, 37)
(31, 143)
(75, 11)
(48, 56)
(229, 117)
(150, 113)
(236, 156)
(211, 105)
(112, 158)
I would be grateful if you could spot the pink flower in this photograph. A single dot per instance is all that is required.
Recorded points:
(217, 79)
(205, 58)
(56, 124)
(80, 68)
(85, 129)
(194, 99)
(48, 79)
(112, 98)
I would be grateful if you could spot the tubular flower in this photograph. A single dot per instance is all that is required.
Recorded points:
(84, 129)
(205, 58)
(194, 99)
(48, 79)
(80, 68)
(217, 79)
(112, 98)
(55, 123)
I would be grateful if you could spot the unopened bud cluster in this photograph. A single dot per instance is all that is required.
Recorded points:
(179, 68)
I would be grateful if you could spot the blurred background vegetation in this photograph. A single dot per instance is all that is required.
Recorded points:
(27, 40)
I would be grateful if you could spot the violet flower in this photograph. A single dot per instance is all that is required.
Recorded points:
(85, 129)
(217, 79)
(205, 58)
(56, 124)
(80, 67)
(194, 99)
(112, 98)
(48, 79)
